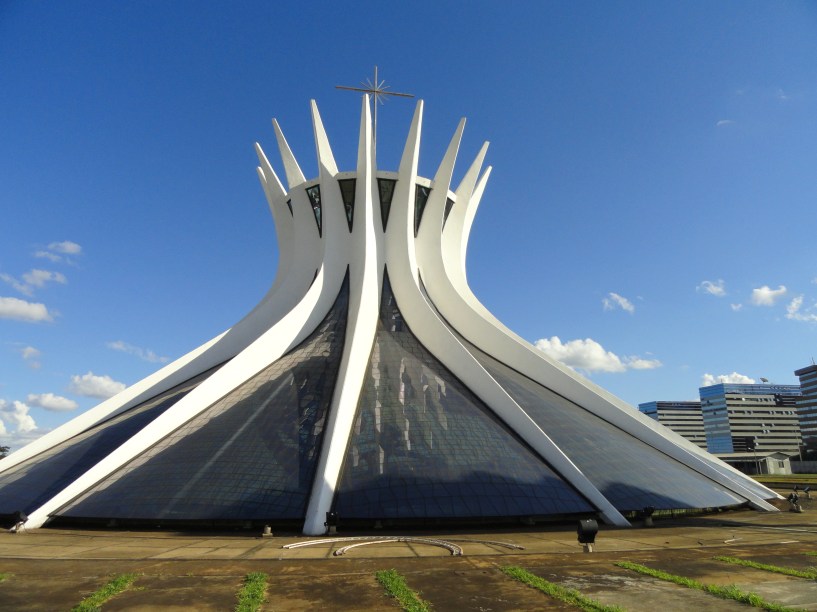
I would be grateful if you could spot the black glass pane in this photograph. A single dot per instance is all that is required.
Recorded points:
(314, 194)
(420, 199)
(449, 203)
(347, 193)
(424, 446)
(289, 205)
(628, 472)
(250, 456)
(31, 483)
(386, 188)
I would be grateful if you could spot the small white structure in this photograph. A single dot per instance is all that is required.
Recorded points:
(758, 463)
(369, 382)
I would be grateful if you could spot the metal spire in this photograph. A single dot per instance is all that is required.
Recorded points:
(378, 90)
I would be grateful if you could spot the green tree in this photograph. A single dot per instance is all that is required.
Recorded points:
(4, 451)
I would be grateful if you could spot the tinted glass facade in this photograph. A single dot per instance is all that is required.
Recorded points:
(628, 472)
(31, 483)
(423, 446)
(250, 456)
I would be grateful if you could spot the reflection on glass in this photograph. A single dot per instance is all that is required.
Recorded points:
(250, 456)
(31, 483)
(423, 446)
(314, 194)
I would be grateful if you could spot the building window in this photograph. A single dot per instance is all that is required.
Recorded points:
(386, 189)
(347, 193)
(314, 194)
(420, 199)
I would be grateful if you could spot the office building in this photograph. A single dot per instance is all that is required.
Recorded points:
(751, 418)
(684, 418)
(807, 409)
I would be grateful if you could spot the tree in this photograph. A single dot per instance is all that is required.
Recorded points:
(4, 451)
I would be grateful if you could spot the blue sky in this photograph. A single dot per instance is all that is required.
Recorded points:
(650, 218)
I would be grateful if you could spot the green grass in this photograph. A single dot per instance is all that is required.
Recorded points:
(396, 586)
(724, 592)
(561, 593)
(788, 571)
(4, 577)
(96, 599)
(253, 593)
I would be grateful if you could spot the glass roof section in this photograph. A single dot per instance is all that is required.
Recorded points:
(424, 446)
(250, 456)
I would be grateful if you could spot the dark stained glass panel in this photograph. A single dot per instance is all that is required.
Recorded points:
(420, 200)
(424, 446)
(250, 456)
(386, 189)
(314, 194)
(347, 194)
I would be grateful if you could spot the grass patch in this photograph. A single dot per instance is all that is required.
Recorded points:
(253, 593)
(724, 592)
(99, 597)
(396, 586)
(777, 569)
(4, 577)
(569, 596)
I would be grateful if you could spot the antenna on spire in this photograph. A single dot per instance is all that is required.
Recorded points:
(378, 90)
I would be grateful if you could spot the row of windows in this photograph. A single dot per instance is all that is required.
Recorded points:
(385, 189)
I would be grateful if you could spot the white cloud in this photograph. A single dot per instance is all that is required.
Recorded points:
(16, 284)
(795, 313)
(736, 307)
(20, 310)
(614, 300)
(66, 247)
(38, 278)
(16, 414)
(33, 279)
(29, 352)
(734, 378)
(31, 356)
(19, 439)
(52, 257)
(91, 385)
(590, 356)
(49, 401)
(713, 288)
(781, 95)
(144, 354)
(766, 296)
(723, 122)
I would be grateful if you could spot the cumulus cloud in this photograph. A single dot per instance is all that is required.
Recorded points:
(20, 310)
(614, 300)
(715, 288)
(736, 307)
(733, 378)
(52, 257)
(16, 414)
(590, 356)
(66, 247)
(795, 312)
(91, 385)
(766, 296)
(144, 354)
(49, 401)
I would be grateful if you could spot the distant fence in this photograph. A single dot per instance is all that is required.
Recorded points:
(804, 467)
